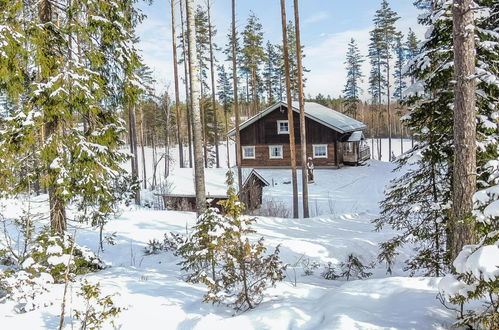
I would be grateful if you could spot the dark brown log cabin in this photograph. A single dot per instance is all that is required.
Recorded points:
(333, 139)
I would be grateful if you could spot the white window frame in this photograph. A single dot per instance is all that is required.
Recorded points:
(319, 145)
(248, 148)
(276, 157)
(279, 127)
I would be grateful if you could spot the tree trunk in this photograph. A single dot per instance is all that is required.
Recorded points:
(133, 149)
(196, 112)
(388, 110)
(236, 105)
(227, 138)
(204, 128)
(303, 133)
(213, 99)
(177, 96)
(142, 147)
(464, 169)
(186, 75)
(290, 110)
(133, 145)
(56, 204)
(166, 110)
(255, 91)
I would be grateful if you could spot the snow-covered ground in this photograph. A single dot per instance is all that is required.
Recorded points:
(342, 203)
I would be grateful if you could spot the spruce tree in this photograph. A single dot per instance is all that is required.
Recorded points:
(352, 89)
(418, 203)
(83, 72)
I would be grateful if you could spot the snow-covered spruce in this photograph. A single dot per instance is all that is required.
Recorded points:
(46, 261)
(69, 80)
(474, 290)
(220, 255)
(418, 203)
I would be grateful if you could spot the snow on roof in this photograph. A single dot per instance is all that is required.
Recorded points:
(315, 111)
(330, 117)
(181, 182)
(355, 137)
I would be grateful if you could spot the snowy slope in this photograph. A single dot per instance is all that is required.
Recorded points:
(156, 297)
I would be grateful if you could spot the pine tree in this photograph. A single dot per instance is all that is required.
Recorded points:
(177, 92)
(185, 61)
(376, 83)
(287, 73)
(203, 46)
(225, 98)
(211, 34)
(194, 69)
(301, 99)
(400, 59)
(253, 55)
(352, 89)
(272, 73)
(234, 48)
(399, 78)
(82, 71)
(384, 22)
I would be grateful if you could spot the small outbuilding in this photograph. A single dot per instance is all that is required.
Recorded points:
(180, 193)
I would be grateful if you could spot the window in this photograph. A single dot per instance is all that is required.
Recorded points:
(320, 150)
(275, 152)
(249, 152)
(282, 127)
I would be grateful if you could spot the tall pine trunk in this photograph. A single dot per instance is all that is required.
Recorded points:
(236, 105)
(303, 133)
(196, 111)
(388, 110)
(204, 134)
(292, 148)
(213, 99)
(177, 96)
(186, 78)
(133, 148)
(142, 148)
(464, 169)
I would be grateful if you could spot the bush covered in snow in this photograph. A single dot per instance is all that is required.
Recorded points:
(42, 260)
(220, 255)
(474, 290)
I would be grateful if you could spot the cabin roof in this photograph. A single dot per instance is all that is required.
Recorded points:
(181, 183)
(315, 111)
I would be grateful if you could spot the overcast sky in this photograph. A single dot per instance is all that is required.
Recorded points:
(326, 27)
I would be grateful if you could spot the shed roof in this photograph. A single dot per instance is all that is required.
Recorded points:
(181, 183)
(315, 111)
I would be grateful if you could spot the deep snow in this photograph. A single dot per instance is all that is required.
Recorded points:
(156, 297)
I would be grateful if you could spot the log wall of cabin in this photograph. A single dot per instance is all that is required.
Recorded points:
(263, 133)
